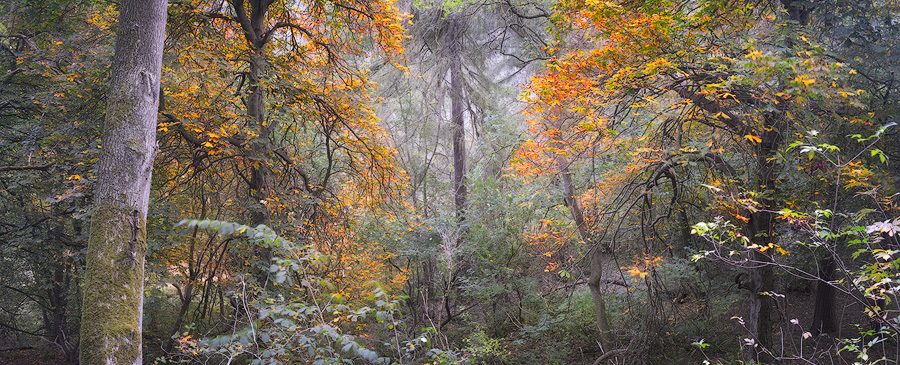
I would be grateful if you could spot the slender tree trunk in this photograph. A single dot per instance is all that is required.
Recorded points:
(56, 322)
(686, 237)
(186, 296)
(457, 104)
(114, 279)
(595, 258)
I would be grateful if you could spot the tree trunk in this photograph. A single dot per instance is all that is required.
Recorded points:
(823, 315)
(594, 257)
(596, 267)
(260, 180)
(759, 318)
(260, 174)
(56, 322)
(457, 104)
(113, 294)
(762, 224)
(762, 232)
(186, 296)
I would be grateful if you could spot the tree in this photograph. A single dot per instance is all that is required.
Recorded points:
(112, 308)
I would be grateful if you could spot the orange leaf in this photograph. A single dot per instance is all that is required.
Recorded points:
(754, 139)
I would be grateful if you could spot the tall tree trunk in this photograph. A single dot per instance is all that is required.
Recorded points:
(114, 279)
(457, 104)
(260, 180)
(762, 224)
(762, 232)
(595, 259)
(260, 174)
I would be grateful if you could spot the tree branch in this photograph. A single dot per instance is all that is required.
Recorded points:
(733, 122)
(242, 18)
(541, 14)
(44, 167)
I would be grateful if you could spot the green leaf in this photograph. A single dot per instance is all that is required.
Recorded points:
(227, 229)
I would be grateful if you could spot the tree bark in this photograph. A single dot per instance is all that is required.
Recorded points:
(260, 183)
(113, 296)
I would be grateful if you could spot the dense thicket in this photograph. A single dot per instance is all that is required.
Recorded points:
(471, 181)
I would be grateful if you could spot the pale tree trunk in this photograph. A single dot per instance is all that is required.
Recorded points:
(114, 278)
(595, 260)
(456, 110)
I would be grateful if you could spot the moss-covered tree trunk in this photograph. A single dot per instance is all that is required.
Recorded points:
(113, 285)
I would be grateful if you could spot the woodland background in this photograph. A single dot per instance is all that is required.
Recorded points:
(491, 182)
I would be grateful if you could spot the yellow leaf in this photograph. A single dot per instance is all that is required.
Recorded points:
(754, 139)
